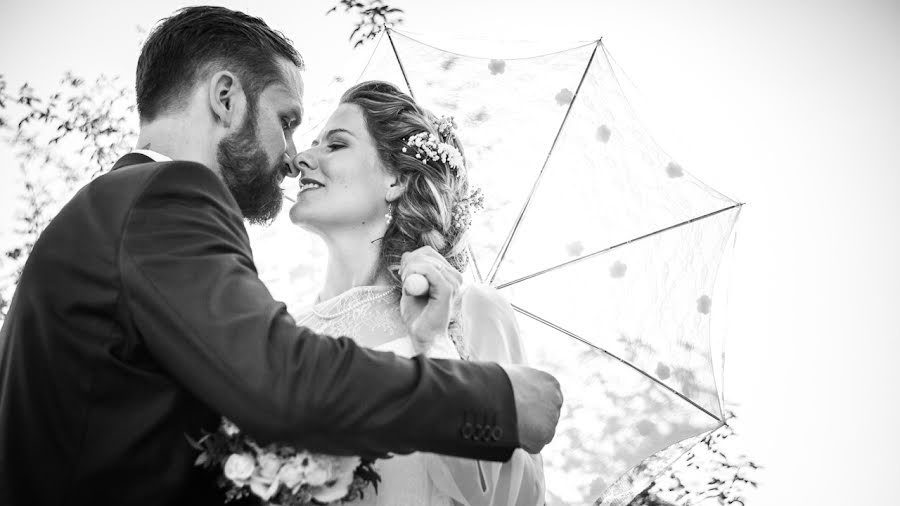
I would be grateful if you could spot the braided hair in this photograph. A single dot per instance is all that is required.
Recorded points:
(423, 214)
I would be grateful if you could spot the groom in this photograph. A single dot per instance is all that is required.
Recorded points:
(139, 318)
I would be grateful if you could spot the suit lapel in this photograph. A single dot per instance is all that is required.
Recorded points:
(131, 159)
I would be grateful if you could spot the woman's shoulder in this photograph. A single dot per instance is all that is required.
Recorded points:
(489, 322)
(481, 298)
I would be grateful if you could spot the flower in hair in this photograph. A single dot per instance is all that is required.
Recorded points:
(463, 210)
(445, 125)
(428, 147)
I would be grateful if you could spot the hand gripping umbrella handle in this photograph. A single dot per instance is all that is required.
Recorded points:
(416, 285)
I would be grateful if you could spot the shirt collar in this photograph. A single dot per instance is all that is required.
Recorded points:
(153, 155)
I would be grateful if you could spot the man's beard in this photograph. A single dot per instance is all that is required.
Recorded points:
(254, 184)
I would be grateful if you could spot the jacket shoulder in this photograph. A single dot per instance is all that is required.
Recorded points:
(136, 184)
(176, 173)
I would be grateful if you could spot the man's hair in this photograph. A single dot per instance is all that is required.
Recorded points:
(184, 48)
(423, 215)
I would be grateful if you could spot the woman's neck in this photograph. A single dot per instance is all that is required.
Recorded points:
(353, 260)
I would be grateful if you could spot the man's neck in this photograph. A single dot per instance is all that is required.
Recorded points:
(174, 138)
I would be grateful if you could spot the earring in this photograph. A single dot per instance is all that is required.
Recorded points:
(388, 216)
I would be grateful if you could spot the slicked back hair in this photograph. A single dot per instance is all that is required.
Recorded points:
(184, 48)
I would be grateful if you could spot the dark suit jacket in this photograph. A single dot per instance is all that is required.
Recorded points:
(139, 319)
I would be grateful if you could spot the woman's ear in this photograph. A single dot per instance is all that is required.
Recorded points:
(226, 98)
(395, 188)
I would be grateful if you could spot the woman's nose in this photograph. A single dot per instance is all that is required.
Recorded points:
(303, 161)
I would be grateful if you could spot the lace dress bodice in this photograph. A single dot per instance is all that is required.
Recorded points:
(371, 316)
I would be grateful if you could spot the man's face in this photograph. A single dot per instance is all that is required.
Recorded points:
(256, 158)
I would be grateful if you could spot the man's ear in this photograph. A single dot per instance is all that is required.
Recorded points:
(226, 98)
(395, 188)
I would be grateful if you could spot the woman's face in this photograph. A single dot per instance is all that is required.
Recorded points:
(343, 185)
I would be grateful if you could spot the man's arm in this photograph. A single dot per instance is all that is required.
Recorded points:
(194, 294)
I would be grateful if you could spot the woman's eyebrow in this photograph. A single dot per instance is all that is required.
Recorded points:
(334, 131)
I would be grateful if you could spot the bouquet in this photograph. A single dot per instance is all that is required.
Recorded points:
(282, 475)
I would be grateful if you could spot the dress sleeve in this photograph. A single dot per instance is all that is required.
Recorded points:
(490, 334)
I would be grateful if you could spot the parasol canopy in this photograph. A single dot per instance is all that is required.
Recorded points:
(606, 247)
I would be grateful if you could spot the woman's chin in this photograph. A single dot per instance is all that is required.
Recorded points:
(298, 215)
(304, 220)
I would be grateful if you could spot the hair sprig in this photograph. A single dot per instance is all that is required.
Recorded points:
(465, 208)
(428, 147)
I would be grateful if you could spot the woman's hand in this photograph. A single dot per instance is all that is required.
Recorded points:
(427, 316)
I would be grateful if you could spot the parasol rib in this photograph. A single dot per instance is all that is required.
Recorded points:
(623, 361)
(400, 63)
(409, 35)
(607, 250)
(474, 263)
(537, 182)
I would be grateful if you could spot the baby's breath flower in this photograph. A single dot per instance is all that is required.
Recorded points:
(429, 147)
(445, 125)
(463, 210)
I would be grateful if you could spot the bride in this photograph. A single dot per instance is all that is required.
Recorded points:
(385, 177)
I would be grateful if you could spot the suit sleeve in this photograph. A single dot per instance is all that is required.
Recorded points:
(194, 296)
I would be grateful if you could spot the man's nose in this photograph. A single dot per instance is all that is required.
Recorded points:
(290, 153)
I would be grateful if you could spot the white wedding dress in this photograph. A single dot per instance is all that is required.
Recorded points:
(487, 331)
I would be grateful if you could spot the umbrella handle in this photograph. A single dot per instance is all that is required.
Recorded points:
(416, 285)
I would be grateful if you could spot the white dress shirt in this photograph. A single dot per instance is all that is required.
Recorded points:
(153, 155)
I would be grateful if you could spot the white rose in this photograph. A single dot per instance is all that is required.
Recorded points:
(239, 467)
(316, 473)
(291, 474)
(269, 463)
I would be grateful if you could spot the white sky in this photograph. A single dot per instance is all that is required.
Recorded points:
(791, 106)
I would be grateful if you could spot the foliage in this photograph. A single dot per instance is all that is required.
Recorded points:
(373, 16)
(61, 140)
(709, 473)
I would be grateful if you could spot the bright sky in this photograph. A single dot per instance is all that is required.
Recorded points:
(790, 106)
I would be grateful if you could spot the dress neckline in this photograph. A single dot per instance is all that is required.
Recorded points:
(353, 291)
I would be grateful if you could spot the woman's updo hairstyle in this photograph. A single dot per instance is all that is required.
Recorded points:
(423, 214)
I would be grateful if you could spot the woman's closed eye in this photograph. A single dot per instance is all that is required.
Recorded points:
(334, 146)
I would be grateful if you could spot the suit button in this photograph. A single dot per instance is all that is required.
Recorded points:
(497, 433)
(485, 433)
(479, 432)
(467, 430)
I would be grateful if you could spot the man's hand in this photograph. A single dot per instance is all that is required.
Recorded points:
(538, 402)
(428, 316)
